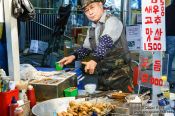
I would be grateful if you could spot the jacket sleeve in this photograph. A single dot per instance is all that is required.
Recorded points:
(113, 28)
(111, 33)
(81, 52)
(105, 44)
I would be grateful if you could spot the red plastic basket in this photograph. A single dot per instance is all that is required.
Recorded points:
(5, 100)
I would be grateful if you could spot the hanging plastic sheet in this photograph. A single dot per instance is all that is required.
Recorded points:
(113, 7)
(136, 4)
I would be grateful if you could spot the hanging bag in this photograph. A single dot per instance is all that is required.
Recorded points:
(23, 10)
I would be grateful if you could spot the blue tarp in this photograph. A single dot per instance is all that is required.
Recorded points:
(3, 57)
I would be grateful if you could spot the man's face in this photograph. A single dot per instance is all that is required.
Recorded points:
(94, 11)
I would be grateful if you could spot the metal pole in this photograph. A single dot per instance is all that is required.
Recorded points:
(124, 11)
(156, 89)
(124, 19)
(12, 41)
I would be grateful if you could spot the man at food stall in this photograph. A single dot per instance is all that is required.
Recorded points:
(104, 64)
(170, 40)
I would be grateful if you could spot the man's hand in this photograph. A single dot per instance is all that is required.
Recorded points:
(66, 60)
(90, 66)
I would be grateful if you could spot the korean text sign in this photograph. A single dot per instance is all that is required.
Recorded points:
(153, 25)
(151, 68)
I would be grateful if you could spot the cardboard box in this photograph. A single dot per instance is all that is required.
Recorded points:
(68, 51)
(84, 29)
(79, 30)
(76, 31)
(38, 46)
(80, 39)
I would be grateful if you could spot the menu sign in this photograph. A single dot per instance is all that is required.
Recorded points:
(153, 25)
(151, 68)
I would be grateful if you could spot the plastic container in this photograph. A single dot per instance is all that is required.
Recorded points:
(58, 66)
(71, 92)
(165, 88)
(13, 106)
(5, 100)
(90, 88)
(22, 95)
(161, 100)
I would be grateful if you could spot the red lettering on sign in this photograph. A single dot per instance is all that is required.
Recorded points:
(158, 34)
(148, 9)
(145, 78)
(149, 38)
(149, 31)
(152, 46)
(157, 19)
(156, 81)
(153, 23)
(155, 9)
(154, 1)
(157, 65)
(144, 62)
(145, 47)
(162, 11)
(148, 20)
(162, 2)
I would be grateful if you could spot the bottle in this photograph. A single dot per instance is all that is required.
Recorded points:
(13, 106)
(19, 111)
(161, 100)
(165, 87)
(54, 113)
(31, 96)
(1, 84)
(22, 95)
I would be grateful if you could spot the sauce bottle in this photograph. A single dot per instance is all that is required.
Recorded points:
(19, 112)
(31, 96)
(13, 106)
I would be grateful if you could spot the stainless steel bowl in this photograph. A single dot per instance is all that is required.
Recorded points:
(131, 97)
(47, 108)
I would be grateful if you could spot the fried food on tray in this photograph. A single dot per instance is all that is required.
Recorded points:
(86, 109)
(119, 95)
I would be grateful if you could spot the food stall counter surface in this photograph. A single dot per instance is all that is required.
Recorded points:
(47, 108)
